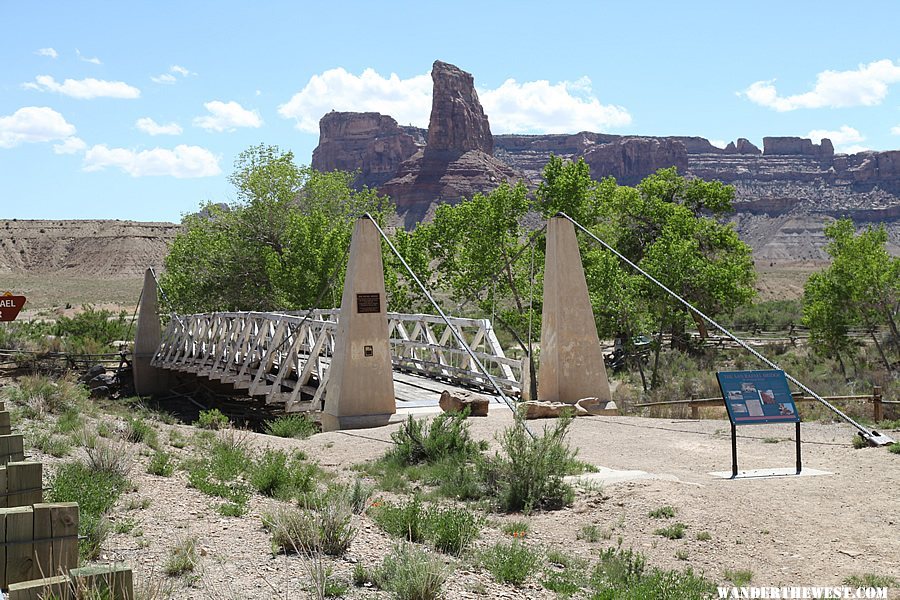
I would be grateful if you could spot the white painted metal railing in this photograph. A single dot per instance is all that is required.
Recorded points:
(278, 355)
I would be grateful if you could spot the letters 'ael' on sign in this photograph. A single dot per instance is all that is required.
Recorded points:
(10, 306)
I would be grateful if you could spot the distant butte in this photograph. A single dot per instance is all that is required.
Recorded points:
(785, 194)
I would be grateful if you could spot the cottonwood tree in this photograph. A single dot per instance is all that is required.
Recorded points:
(861, 288)
(667, 225)
(481, 254)
(281, 245)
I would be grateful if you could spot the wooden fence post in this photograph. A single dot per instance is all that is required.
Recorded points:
(877, 406)
(695, 410)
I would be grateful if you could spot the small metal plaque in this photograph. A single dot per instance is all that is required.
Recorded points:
(368, 303)
(368, 351)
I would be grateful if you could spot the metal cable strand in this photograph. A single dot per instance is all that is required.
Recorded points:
(481, 367)
(872, 436)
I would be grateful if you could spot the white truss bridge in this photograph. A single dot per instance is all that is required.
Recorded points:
(284, 357)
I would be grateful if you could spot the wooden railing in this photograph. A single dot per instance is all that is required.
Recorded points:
(875, 398)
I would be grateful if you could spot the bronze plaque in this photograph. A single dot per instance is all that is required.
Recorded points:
(368, 303)
(368, 351)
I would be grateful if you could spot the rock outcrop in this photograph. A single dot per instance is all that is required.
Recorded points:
(784, 194)
(631, 159)
(370, 142)
(457, 162)
(458, 123)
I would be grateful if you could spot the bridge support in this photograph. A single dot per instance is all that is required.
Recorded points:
(571, 358)
(148, 380)
(360, 387)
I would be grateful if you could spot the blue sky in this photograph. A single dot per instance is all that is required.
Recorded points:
(137, 110)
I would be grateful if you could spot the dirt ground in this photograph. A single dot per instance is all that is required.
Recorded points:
(814, 530)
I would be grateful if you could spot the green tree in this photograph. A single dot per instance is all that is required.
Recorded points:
(279, 246)
(861, 288)
(480, 252)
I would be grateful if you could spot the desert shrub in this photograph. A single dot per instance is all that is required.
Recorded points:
(110, 457)
(39, 395)
(212, 419)
(663, 512)
(410, 573)
(92, 331)
(452, 529)
(566, 574)
(406, 520)
(292, 426)
(96, 492)
(161, 464)
(739, 577)
(138, 431)
(277, 475)
(512, 562)
(674, 531)
(530, 474)
(769, 315)
(224, 458)
(304, 531)
(51, 444)
(447, 435)
(589, 533)
(517, 529)
(895, 448)
(361, 575)
(183, 558)
(69, 421)
(623, 574)
(359, 496)
(871, 580)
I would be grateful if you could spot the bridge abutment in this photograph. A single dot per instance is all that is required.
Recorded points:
(360, 387)
(571, 365)
(148, 380)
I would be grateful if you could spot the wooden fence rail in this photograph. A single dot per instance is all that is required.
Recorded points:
(876, 399)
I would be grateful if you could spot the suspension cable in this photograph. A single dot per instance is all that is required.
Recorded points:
(872, 436)
(509, 403)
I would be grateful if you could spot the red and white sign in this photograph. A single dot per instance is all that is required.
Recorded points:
(10, 306)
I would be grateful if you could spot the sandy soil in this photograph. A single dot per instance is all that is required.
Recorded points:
(813, 530)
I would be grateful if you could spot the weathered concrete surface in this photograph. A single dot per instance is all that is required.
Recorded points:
(571, 358)
(148, 380)
(360, 390)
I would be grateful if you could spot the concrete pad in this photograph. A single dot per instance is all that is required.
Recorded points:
(605, 475)
(766, 473)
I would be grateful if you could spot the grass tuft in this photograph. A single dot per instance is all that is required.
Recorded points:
(292, 426)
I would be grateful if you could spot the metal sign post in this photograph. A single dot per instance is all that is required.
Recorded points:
(755, 398)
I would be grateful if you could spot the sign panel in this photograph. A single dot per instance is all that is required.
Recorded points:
(755, 397)
(368, 303)
(10, 306)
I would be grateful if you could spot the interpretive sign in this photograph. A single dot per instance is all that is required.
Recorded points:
(368, 303)
(10, 306)
(755, 397)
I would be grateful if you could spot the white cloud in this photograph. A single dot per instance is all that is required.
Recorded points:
(407, 100)
(537, 106)
(93, 61)
(164, 78)
(84, 88)
(149, 126)
(183, 162)
(70, 145)
(865, 86)
(169, 78)
(47, 52)
(895, 130)
(542, 107)
(227, 116)
(33, 124)
(846, 139)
